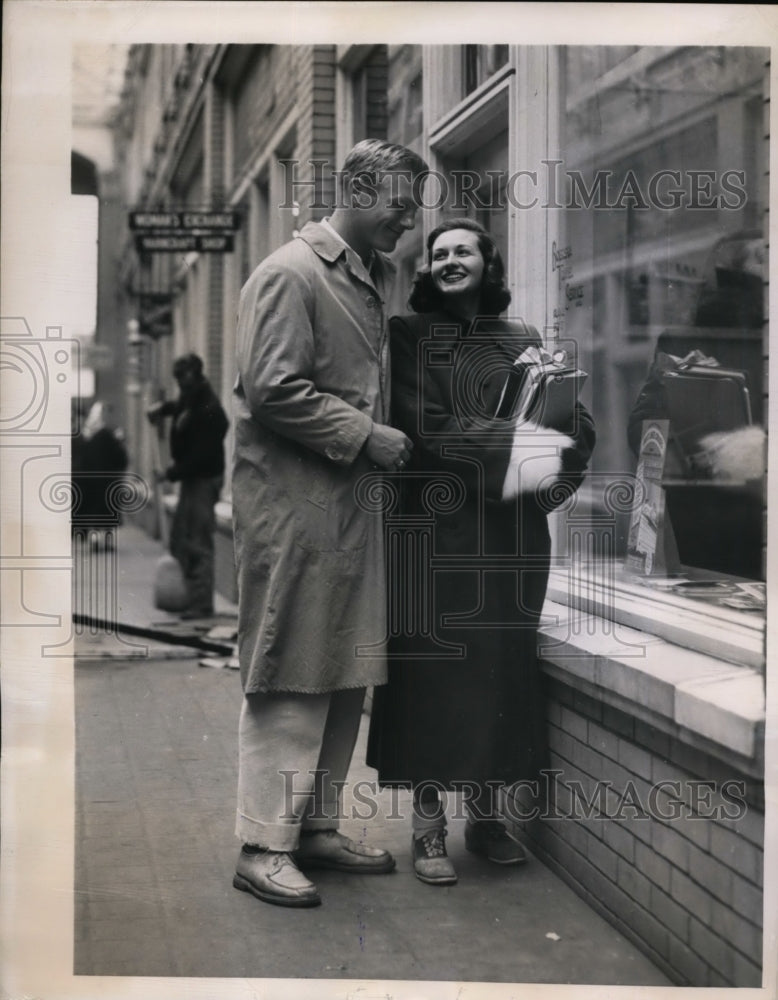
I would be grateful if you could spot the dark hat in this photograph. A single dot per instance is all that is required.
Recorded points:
(188, 362)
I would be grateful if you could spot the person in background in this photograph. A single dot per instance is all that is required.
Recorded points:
(312, 418)
(98, 462)
(470, 717)
(197, 432)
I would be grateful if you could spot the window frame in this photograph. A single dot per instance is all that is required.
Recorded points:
(350, 97)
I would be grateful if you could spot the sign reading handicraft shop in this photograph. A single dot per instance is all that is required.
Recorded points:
(167, 243)
(184, 231)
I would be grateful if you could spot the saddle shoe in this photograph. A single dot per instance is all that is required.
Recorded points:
(273, 877)
(330, 849)
(431, 863)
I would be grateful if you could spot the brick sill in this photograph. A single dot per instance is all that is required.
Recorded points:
(701, 699)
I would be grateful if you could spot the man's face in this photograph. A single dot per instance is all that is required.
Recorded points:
(385, 210)
(186, 377)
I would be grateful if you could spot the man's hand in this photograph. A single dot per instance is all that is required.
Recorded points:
(154, 413)
(387, 447)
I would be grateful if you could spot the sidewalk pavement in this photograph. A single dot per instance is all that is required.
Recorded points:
(156, 773)
(118, 585)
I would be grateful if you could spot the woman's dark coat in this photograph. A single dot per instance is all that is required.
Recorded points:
(463, 700)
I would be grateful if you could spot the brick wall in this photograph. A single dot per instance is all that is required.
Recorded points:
(315, 67)
(681, 875)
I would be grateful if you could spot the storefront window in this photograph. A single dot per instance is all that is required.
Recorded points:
(661, 253)
(458, 71)
(487, 204)
(481, 62)
(253, 94)
(405, 125)
(405, 96)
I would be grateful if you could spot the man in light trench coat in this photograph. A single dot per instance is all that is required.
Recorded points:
(312, 398)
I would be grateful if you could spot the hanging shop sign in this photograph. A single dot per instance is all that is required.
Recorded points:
(184, 231)
(155, 314)
(184, 220)
(168, 243)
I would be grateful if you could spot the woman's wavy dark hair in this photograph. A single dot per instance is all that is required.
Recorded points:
(495, 297)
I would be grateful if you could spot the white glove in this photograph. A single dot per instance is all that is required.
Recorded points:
(536, 458)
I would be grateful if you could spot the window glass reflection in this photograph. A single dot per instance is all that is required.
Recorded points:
(661, 254)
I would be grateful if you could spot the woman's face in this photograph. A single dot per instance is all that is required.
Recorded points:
(457, 266)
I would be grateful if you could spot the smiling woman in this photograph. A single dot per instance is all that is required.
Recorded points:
(457, 267)
(441, 723)
(465, 271)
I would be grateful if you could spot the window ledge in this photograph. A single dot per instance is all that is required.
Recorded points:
(608, 592)
(689, 692)
(473, 102)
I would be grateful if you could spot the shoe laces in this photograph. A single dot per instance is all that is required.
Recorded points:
(281, 860)
(278, 858)
(434, 843)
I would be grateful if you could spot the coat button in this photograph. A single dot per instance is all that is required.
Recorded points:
(370, 303)
(331, 453)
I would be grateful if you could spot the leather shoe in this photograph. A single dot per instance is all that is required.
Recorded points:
(273, 877)
(489, 838)
(330, 849)
(430, 860)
